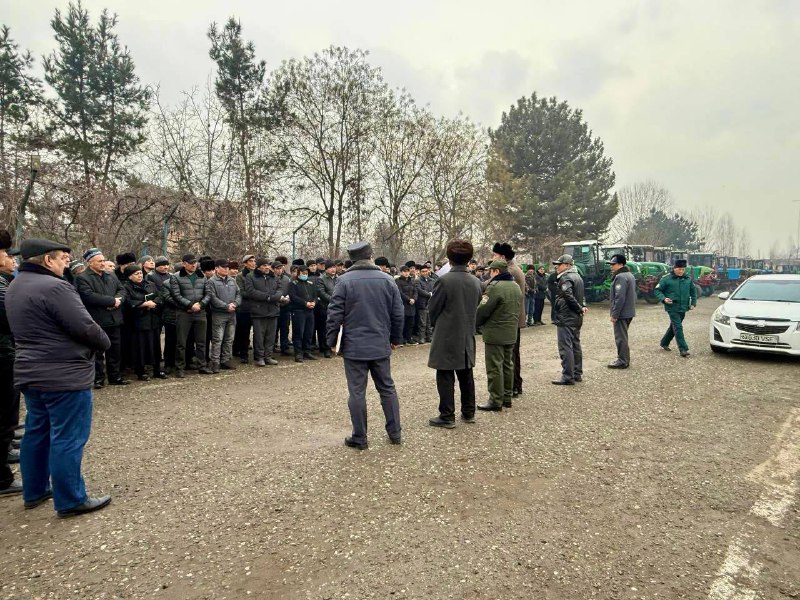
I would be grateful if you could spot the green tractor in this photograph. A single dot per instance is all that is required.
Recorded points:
(641, 262)
(592, 267)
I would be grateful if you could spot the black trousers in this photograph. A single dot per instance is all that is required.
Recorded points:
(241, 339)
(517, 366)
(284, 320)
(190, 325)
(9, 418)
(142, 352)
(445, 385)
(302, 330)
(170, 341)
(538, 308)
(108, 362)
(408, 327)
(320, 322)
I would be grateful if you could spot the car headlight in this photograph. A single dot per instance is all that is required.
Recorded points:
(721, 317)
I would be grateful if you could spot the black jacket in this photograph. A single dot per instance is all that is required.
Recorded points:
(141, 319)
(452, 310)
(424, 292)
(185, 293)
(262, 294)
(301, 292)
(408, 292)
(167, 308)
(55, 336)
(99, 293)
(325, 285)
(6, 337)
(570, 300)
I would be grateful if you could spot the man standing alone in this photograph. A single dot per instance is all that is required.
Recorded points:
(452, 311)
(623, 308)
(54, 334)
(678, 294)
(366, 304)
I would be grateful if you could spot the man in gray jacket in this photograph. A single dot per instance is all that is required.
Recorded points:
(366, 305)
(225, 298)
(623, 309)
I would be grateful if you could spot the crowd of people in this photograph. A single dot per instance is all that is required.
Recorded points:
(91, 319)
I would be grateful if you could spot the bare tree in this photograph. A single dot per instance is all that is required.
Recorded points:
(330, 102)
(727, 235)
(636, 201)
(706, 219)
(743, 246)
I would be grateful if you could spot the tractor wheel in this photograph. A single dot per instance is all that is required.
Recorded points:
(708, 290)
(698, 290)
(651, 299)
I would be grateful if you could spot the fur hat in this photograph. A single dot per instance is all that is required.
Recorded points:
(504, 249)
(126, 258)
(382, 261)
(459, 252)
(234, 264)
(298, 262)
(680, 263)
(411, 263)
(207, 264)
(5, 239)
(282, 259)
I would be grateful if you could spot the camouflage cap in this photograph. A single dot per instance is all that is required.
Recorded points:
(499, 264)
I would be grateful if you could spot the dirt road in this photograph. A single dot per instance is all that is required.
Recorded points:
(674, 479)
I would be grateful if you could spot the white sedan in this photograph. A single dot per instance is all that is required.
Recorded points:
(762, 314)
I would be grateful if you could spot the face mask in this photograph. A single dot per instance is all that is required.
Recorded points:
(303, 277)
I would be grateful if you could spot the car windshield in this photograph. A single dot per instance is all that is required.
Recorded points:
(769, 290)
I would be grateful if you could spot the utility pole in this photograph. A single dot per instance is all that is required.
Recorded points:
(35, 165)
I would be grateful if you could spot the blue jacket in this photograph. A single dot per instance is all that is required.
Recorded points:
(366, 303)
(55, 336)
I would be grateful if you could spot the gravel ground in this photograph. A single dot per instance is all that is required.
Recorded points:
(629, 485)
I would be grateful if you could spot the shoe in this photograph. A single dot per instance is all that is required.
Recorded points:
(143, 377)
(271, 361)
(667, 348)
(617, 365)
(91, 505)
(348, 441)
(120, 381)
(577, 378)
(685, 353)
(327, 354)
(260, 363)
(160, 375)
(227, 366)
(15, 487)
(440, 422)
(562, 382)
(244, 360)
(516, 393)
(467, 419)
(15, 444)
(298, 359)
(286, 352)
(180, 373)
(309, 356)
(507, 405)
(206, 371)
(168, 370)
(412, 343)
(395, 441)
(13, 456)
(40, 500)
(99, 385)
(214, 367)
(490, 407)
(539, 323)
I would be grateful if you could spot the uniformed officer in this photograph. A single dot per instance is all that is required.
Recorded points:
(569, 311)
(366, 305)
(623, 308)
(679, 295)
(498, 319)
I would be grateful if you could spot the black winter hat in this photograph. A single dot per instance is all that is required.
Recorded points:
(329, 264)
(411, 263)
(190, 258)
(680, 263)
(298, 261)
(504, 249)
(126, 258)
(221, 262)
(261, 261)
(382, 261)
(207, 264)
(130, 270)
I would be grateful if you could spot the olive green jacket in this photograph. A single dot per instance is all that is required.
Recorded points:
(498, 312)
(680, 290)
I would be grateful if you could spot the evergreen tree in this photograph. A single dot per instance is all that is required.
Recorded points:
(546, 143)
(19, 90)
(100, 114)
(661, 229)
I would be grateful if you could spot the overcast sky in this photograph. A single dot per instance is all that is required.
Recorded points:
(700, 96)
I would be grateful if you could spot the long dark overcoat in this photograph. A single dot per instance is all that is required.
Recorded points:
(452, 309)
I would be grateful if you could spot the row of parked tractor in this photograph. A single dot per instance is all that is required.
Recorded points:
(709, 271)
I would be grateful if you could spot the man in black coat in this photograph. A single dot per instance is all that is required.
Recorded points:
(325, 285)
(103, 296)
(367, 307)
(262, 291)
(189, 292)
(56, 340)
(9, 396)
(452, 311)
(408, 293)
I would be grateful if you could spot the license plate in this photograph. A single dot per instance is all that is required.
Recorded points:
(764, 339)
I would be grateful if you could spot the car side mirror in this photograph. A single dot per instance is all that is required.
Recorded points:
(724, 295)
